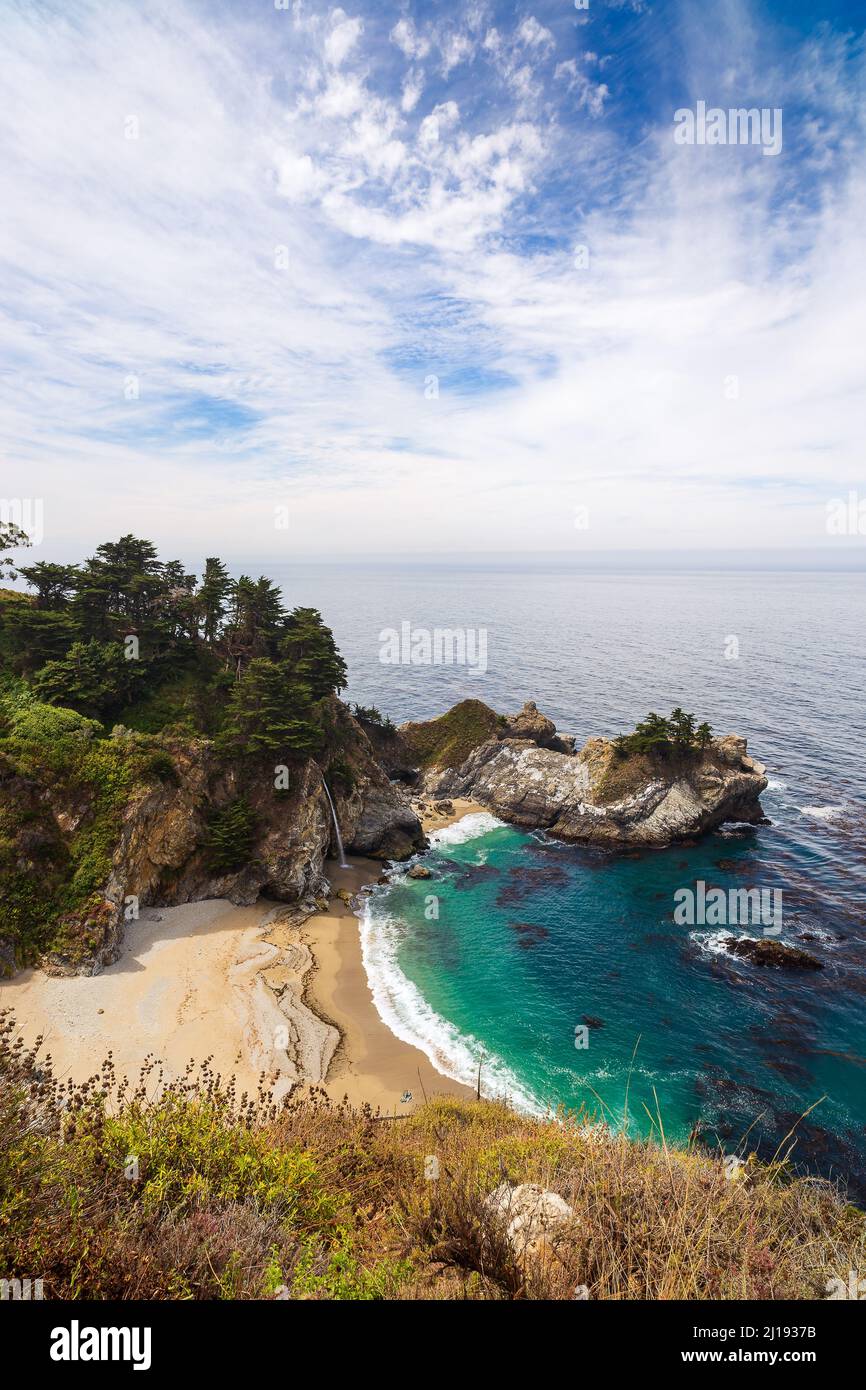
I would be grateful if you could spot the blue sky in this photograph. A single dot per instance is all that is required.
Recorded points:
(328, 260)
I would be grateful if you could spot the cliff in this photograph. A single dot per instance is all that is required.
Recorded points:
(531, 776)
(94, 828)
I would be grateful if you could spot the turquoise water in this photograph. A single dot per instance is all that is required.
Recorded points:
(533, 938)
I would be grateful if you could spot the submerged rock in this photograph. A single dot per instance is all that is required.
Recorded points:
(530, 933)
(774, 954)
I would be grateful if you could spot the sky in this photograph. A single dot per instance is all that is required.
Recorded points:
(285, 280)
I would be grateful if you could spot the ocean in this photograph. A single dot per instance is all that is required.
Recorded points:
(519, 941)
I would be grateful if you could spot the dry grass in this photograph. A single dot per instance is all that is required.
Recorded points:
(238, 1198)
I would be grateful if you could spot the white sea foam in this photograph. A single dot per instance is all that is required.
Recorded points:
(822, 812)
(469, 827)
(775, 785)
(712, 943)
(404, 1010)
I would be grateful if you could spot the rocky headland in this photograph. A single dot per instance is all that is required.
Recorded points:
(530, 775)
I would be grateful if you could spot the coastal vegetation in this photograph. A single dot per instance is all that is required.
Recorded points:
(107, 667)
(190, 1191)
(126, 637)
(663, 737)
(369, 714)
(448, 740)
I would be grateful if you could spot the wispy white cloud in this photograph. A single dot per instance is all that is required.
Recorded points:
(589, 94)
(235, 255)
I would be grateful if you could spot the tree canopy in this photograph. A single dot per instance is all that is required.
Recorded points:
(656, 734)
(122, 626)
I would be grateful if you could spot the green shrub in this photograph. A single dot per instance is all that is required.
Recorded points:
(229, 836)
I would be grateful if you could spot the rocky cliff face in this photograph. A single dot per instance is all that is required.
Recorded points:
(596, 795)
(157, 847)
(160, 849)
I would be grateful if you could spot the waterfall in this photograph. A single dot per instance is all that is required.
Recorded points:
(343, 861)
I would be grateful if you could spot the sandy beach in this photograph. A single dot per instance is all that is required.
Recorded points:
(263, 989)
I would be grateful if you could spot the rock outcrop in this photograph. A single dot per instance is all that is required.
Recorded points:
(774, 955)
(599, 795)
(531, 724)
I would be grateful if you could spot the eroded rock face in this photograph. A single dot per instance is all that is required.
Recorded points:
(161, 855)
(597, 797)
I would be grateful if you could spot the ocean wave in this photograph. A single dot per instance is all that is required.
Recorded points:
(776, 785)
(822, 812)
(469, 827)
(404, 1010)
(712, 943)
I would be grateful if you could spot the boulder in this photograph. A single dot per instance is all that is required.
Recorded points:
(419, 871)
(531, 724)
(531, 1216)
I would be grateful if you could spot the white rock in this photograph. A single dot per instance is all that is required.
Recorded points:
(530, 1213)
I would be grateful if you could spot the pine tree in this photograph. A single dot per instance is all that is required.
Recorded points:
(229, 837)
(270, 712)
(93, 677)
(11, 538)
(216, 585)
(310, 649)
(53, 583)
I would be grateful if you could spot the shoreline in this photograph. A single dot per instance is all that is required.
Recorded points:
(371, 1064)
(264, 989)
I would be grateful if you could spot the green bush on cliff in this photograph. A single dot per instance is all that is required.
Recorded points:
(55, 757)
(31, 721)
(229, 837)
